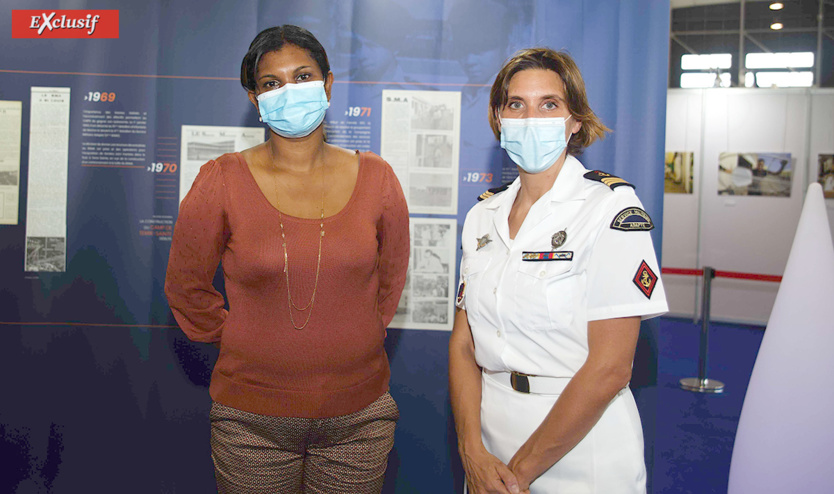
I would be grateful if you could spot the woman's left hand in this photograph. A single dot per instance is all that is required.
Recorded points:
(605, 372)
(523, 480)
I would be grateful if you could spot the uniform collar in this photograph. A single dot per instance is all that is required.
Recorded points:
(507, 196)
(570, 183)
(502, 205)
(569, 186)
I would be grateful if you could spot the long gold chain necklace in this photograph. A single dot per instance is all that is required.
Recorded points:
(290, 304)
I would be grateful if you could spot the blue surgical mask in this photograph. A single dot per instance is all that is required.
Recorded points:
(534, 144)
(294, 110)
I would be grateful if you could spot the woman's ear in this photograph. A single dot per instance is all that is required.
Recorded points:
(254, 99)
(576, 126)
(328, 84)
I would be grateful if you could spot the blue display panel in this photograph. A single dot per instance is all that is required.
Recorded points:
(102, 385)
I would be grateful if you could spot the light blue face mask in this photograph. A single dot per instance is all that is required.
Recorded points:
(534, 144)
(294, 110)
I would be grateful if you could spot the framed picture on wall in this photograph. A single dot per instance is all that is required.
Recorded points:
(755, 174)
(826, 175)
(678, 172)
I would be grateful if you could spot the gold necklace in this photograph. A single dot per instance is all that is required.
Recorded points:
(290, 304)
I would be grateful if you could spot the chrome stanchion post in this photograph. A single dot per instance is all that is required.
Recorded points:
(702, 384)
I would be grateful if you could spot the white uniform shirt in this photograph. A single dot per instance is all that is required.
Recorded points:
(531, 316)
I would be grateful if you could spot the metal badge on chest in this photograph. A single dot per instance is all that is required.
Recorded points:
(558, 239)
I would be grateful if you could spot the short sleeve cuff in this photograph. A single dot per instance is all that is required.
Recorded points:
(644, 311)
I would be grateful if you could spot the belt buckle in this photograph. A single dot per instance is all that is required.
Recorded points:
(520, 382)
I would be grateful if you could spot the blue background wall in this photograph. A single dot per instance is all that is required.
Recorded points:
(101, 391)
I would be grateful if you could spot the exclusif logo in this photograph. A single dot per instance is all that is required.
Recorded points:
(56, 24)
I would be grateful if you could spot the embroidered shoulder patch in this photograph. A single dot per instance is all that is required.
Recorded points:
(632, 219)
(606, 178)
(495, 190)
(459, 297)
(645, 279)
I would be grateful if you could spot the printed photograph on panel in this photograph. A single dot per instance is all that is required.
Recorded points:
(678, 172)
(431, 286)
(826, 175)
(426, 190)
(9, 177)
(431, 312)
(426, 302)
(429, 115)
(429, 260)
(402, 306)
(432, 235)
(433, 151)
(755, 174)
(46, 254)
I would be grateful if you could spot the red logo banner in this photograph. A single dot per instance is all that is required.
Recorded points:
(63, 24)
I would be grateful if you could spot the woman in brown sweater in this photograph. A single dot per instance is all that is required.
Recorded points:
(313, 241)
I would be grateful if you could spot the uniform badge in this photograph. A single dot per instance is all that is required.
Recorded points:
(562, 255)
(558, 239)
(645, 279)
(459, 298)
(632, 220)
(483, 241)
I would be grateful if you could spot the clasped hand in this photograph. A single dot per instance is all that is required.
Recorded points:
(486, 474)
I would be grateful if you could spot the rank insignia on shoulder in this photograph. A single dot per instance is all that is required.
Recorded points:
(559, 255)
(632, 219)
(645, 279)
(606, 178)
(495, 190)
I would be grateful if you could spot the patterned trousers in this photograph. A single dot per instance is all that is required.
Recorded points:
(260, 454)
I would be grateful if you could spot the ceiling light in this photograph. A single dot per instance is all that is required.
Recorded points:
(777, 6)
(776, 26)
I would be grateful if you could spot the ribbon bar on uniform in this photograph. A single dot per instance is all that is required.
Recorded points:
(558, 255)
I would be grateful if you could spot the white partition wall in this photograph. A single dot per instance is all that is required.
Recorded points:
(822, 137)
(743, 233)
(684, 111)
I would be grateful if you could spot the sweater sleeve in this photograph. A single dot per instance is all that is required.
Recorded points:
(200, 236)
(394, 245)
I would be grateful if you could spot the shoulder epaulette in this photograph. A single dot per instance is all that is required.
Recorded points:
(495, 190)
(607, 179)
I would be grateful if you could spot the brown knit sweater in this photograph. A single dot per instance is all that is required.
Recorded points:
(337, 364)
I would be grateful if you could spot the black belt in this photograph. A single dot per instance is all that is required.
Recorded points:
(530, 384)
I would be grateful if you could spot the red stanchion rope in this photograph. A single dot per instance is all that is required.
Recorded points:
(723, 274)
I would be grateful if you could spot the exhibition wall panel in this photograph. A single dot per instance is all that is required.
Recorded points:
(755, 153)
(680, 230)
(821, 146)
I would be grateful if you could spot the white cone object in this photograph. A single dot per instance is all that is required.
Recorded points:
(785, 438)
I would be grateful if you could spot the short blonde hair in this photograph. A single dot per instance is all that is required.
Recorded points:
(562, 64)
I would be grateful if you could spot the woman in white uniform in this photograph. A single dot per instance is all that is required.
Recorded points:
(558, 270)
